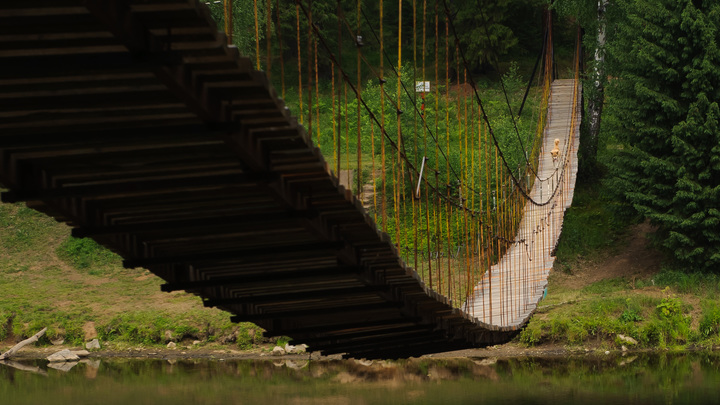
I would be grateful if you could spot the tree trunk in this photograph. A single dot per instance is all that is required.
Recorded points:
(596, 97)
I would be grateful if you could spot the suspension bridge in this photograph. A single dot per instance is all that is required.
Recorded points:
(137, 124)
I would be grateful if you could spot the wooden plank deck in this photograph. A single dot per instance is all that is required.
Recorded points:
(508, 294)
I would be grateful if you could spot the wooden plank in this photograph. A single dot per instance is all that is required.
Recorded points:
(265, 277)
(508, 293)
(239, 221)
(294, 296)
(344, 311)
(200, 182)
(240, 255)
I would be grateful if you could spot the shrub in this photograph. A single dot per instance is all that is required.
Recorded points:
(630, 315)
(669, 307)
(710, 321)
(532, 334)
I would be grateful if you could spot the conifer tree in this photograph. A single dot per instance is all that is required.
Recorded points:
(665, 60)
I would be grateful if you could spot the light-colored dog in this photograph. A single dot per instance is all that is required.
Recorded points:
(555, 151)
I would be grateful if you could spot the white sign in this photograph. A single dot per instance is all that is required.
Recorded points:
(422, 87)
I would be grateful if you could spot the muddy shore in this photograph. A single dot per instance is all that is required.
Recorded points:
(509, 350)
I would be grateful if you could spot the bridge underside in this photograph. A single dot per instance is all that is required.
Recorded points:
(135, 124)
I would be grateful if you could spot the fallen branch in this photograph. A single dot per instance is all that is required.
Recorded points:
(32, 339)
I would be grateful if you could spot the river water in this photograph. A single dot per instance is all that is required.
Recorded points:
(665, 378)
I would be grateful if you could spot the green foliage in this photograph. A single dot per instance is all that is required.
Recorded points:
(669, 307)
(630, 315)
(248, 335)
(146, 328)
(243, 23)
(85, 253)
(531, 334)
(283, 340)
(5, 324)
(590, 224)
(633, 312)
(689, 282)
(710, 321)
(483, 31)
(603, 314)
(666, 62)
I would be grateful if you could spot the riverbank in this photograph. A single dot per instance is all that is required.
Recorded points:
(608, 290)
(677, 378)
(511, 350)
(612, 288)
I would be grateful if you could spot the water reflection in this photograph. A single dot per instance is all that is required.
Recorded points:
(639, 379)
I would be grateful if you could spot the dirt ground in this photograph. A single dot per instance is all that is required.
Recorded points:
(508, 350)
(636, 260)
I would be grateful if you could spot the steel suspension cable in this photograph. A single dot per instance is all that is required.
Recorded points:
(348, 82)
(502, 85)
(486, 119)
(392, 66)
(280, 46)
(299, 56)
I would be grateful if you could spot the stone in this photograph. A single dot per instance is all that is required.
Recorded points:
(91, 363)
(171, 345)
(627, 339)
(62, 355)
(168, 335)
(623, 348)
(290, 349)
(196, 342)
(93, 344)
(278, 351)
(89, 331)
(487, 361)
(91, 368)
(80, 353)
(296, 365)
(64, 366)
(229, 338)
(607, 352)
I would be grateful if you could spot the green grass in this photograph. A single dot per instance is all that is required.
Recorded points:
(697, 283)
(49, 279)
(85, 253)
(607, 286)
(664, 324)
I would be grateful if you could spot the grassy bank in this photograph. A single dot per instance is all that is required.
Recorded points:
(48, 278)
(610, 281)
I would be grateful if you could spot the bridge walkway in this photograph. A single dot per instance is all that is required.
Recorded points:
(507, 295)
